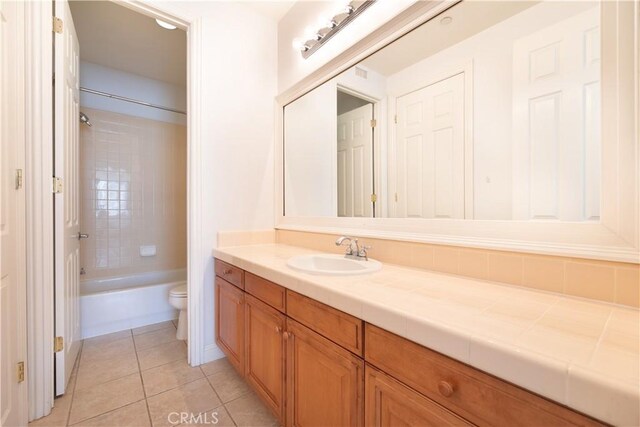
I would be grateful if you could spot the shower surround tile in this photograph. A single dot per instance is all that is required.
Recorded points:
(133, 193)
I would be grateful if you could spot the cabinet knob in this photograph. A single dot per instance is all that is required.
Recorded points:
(445, 388)
(226, 271)
(278, 329)
(286, 335)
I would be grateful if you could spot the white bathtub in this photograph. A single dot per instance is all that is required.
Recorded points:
(113, 304)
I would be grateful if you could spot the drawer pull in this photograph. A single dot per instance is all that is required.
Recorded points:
(227, 271)
(445, 388)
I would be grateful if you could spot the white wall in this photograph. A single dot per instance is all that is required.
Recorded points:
(307, 16)
(239, 82)
(110, 80)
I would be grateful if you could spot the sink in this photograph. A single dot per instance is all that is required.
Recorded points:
(333, 265)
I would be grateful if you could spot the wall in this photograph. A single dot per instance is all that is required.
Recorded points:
(110, 80)
(133, 193)
(239, 84)
(307, 16)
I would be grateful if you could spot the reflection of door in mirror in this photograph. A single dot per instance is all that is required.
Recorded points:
(355, 157)
(430, 166)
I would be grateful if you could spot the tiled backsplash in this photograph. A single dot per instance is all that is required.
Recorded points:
(601, 280)
(133, 192)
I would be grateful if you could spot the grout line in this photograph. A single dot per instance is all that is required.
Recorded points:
(76, 367)
(144, 390)
(105, 413)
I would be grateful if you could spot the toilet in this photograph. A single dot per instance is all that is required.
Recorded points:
(178, 299)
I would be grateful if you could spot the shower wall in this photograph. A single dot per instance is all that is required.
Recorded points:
(134, 193)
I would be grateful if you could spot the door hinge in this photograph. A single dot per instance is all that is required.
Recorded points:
(58, 345)
(374, 198)
(20, 372)
(18, 179)
(395, 119)
(373, 123)
(57, 185)
(57, 25)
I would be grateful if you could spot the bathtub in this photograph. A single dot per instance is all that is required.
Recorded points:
(114, 304)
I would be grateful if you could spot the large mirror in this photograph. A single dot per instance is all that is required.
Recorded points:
(491, 110)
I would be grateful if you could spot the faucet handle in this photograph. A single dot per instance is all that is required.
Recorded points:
(363, 251)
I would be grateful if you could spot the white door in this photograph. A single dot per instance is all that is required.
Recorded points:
(430, 167)
(67, 250)
(556, 121)
(355, 162)
(13, 333)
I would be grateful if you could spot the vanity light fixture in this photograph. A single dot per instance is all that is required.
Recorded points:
(165, 25)
(312, 42)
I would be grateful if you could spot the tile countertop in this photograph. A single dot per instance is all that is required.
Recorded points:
(580, 353)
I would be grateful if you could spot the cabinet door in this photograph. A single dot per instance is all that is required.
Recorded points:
(390, 403)
(264, 367)
(325, 383)
(230, 322)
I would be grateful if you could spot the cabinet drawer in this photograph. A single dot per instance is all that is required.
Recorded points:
(230, 273)
(390, 403)
(468, 392)
(339, 327)
(268, 292)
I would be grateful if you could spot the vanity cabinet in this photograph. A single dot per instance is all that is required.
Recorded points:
(230, 322)
(314, 365)
(265, 353)
(324, 381)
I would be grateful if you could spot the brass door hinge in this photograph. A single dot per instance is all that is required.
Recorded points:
(18, 179)
(374, 198)
(57, 185)
(59, 344)
(20, 372)
(373, 123)
(57, 25)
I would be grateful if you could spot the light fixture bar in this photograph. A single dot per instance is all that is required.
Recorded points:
(310, 46)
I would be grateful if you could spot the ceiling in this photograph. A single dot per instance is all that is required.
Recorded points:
(117, 37)
(270, 8)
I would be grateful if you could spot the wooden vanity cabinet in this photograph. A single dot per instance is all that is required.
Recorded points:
(388, 402)
(230, 322)
(265, 353)
(325, 382)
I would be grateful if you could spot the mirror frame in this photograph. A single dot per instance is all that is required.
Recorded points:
(614, 238)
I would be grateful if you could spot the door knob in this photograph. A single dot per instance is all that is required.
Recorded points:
(82, 236)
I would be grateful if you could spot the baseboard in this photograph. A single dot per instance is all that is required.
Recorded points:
(212, 352)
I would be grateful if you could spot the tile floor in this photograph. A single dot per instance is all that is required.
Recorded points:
(139, 377)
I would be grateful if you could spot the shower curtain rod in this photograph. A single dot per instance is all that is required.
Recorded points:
(133, 101)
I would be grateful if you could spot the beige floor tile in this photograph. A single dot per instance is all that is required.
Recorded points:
(94, 401)
(113, 349)
(162, 354)
(190, 399)
(165, 377)
(134, 415)
(152, 339)
(228, 384)
(216, 366)
(98, 370)
(106, 339)
(249, 411)
(59, 414)
(151, 328)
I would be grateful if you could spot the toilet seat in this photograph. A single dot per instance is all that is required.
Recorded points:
(179, 291)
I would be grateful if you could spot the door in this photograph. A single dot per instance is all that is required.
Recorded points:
(390, 403)
(556, 121)
(430, 146)
(67, 218)
(325, 382)
(230, 322)
(13, 333)
(355, 163)
(265, 364)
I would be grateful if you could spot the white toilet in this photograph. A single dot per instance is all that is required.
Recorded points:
(178, 299)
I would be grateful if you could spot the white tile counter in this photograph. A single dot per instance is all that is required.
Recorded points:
(580, 353)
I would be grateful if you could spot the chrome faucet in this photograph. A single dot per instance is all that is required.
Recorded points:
(353, 250)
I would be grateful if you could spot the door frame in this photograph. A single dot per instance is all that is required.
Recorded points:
(39, 196)
(447, 72)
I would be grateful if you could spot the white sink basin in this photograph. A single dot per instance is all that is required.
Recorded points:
(333, 265)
